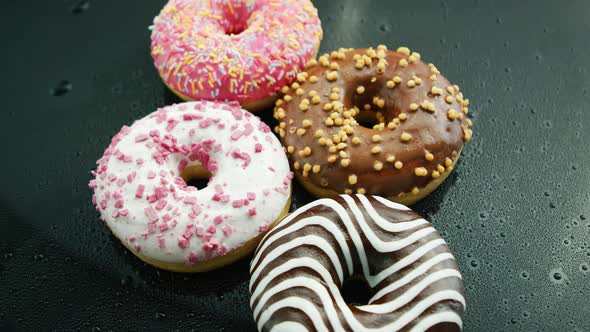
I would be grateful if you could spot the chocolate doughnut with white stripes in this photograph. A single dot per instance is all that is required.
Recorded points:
(301, 264)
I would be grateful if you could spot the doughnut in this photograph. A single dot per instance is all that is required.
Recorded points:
(372, 121)
(141, 191)
(303, 261)
(237, 50)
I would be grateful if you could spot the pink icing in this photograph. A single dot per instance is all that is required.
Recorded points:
(234, 49)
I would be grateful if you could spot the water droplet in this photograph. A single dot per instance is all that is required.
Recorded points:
(499, 20)
(584, 267)
(552, 205)
(474, 263)
(524, 274)
(159, 315)
(557, 276)
(61, 88)
(81, 7)
(384, 27)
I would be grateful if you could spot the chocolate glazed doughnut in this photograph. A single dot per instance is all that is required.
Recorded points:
(300, 265)
(372, 121)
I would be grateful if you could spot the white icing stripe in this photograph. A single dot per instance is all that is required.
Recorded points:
(437, 318)
(289, 327)
(315, 221)
(411, 293)
(378, 244)
(311, 284)
(304, 305)
(415, 273)
(408, 260)
(313, 240)
(286, 220)
(390, 204)
(388, 225)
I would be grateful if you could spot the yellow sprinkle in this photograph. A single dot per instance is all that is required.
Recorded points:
(436, 91)
(344, 162)
(378, 165)
(287, 97)
(348, 191)
(449, 99)
(332, 158)
(415, 191)
(451, 114)
(435, 174)
(376, 138)
(397, 80)
(440, 168)
(420, 171)
(403, 62)
(360, 89)
(405, 137)
(390, 158)
(376, 149)
(316, 168)
(404, 50)
(398, 164)
(313, 79)
(411, 83)
(296, 165)
(448, 162)
(329, 122)
(390, 84)
(315, 100)
(429, 156)
(352, 179)
(299, 92)
(356, 141)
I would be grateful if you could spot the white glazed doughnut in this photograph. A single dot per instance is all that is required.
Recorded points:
(141, 193)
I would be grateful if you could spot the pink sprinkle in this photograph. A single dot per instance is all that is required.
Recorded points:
(218, 220)
(191, 200)
(103, 204)
(115, 214)
(152, 198)
(242, 155)
(199, 230)
(211, 229)
(251, 196)
(161, 204)
(139, 161)
(263, 127)
(171, 124)
(183, 243)
(248, 128)
(252, 212)
(92, 184)
(161, 192)
(124, 212)
(161, 242)
(121, 182)
(166, 217)
(163, 173)
(271, 168)
(187, 234)
(131, 176)
(112, 177)
(196, 210)
(119, 204)
(132, 239)
(151, 227)
(149, 211)
(258, 147)
(192, 258)
(189, 117)
(237, 203)
(139, 191)
(219, 189)
(191, 132)
(263, 228)
(141, 138)
(265, 192)
(226, 230)
(151, 174)
(182, 165)
(163, 227)
(222, 250)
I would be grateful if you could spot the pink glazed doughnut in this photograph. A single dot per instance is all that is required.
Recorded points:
(141, 193)
(237, 50)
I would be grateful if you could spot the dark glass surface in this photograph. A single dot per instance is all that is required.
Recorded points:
(516, 210)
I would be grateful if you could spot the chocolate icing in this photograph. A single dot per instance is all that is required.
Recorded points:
(407, 264)
(432, 132)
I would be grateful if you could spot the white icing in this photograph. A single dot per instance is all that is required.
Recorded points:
(266, 178)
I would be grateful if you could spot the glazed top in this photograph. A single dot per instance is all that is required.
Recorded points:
(233, 49)
(302, 262)
(413, 122)
(141, 196)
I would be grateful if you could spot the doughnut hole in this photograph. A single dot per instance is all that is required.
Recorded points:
(196, 176)
(369, 117)
(235, 17)
(356, 291)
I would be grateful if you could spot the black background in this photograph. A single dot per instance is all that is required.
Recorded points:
(515, 211)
